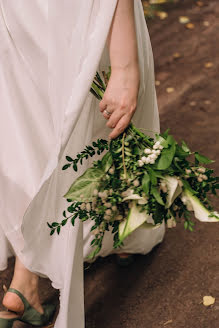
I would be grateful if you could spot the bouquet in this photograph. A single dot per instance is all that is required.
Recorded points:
(140, 180)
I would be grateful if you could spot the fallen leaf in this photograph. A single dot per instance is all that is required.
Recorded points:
(168, 322)
(208, 300)
(162, 14)
(208, 65)
(200, 3)
(157, 83)
(192, 103)
(206, 23)
(170, 90)
(190, 26)
(184, 19)
(176, 55)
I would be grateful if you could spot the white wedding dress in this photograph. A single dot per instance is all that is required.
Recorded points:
(49, 53)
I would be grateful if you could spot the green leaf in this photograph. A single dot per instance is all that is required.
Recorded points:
(153, 176)
(203, 159)
(146, 183)
(58, 230)
(156, 195)
(55, 224)
(162, 141)
(106, 161)
(166, 157)
(66, 166)
(134, 220)
(52, 232)
(64, 222)
(185, 147)
(83, 187)
(69, 159)
(165, 134)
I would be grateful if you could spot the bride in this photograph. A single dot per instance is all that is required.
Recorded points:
(49, 53)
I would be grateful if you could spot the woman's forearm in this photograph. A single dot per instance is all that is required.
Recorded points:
(122, 41)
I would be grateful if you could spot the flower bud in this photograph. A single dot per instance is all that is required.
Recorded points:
(147, 151)
(140, 163)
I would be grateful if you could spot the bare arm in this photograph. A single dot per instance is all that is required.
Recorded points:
(121, 94)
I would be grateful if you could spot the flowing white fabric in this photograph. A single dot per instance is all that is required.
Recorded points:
(49, 53)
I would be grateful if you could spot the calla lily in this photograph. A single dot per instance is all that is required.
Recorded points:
(200, 211)
(174, 189)
(134, 220)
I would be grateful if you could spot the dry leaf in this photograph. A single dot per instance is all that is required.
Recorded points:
(208, 300)
(168, 322)
(208, 65)
(200, 3)
(184, 19)
(206, 23)
(192, 103)
(176, 55)
(170, 90)
(190, 26)
(157, 83)
(162, 14)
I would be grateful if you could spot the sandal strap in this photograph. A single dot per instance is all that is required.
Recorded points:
(24, 300)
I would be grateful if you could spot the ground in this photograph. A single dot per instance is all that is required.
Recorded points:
(166, 287)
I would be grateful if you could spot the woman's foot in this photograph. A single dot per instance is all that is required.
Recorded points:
(26, 283)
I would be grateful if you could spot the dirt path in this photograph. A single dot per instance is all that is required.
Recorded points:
(165, 288)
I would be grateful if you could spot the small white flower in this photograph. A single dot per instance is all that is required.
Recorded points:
(112, 170)
(144, 159)
(201, 170)
(88, 207)
(157, 143)
(204, 177)
(119, 218)
(95, 192)
(188, 171)
(171, 223)
(104, 194)
(111, 192)
(107, 217)
(140, 163)
(160, 147)
(147, 151)
(153, 156)
(155, 146)
(152, 161)
(154, 151)
(136, 183)
(199, 179)
(95, 231)
(114, 208)
(158, 152)
(83, 206)
(108, 205)
(108, 212)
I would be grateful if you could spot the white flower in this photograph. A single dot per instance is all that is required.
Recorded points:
(136, 183)
(114, 208)
(188, 171)
(83, 206)
(201, 169)
(152, 161)
(108, 212)
(204, 177)
(111, 192)
(158, 152)
(95, 192)
(154, 151)
(140, 163)
(88, 207)
(171, 223)
(155, 146)
(108, 205)
(111, 170)
(147, 151)
(153, 156)
(160, 147)
(157, 143)
(119, 218)
(107, 217)
(144, 159)
(199, 179)
(95, 231)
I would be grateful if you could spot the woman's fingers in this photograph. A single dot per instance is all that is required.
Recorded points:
(102, 105)
(120, 126)
(114, 119)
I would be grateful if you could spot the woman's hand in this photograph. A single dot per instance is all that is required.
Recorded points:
(120, 98)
